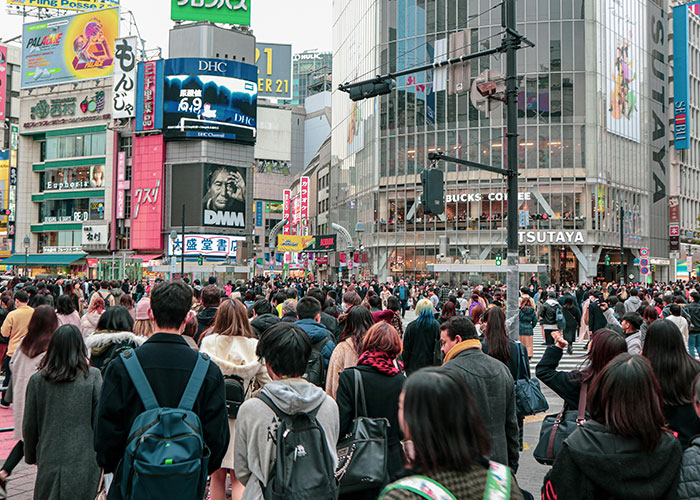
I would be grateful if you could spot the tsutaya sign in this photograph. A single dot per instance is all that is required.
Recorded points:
(476, 197)
(551, 237)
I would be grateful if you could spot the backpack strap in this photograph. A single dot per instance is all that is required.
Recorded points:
(497, 482)
(138, 378)
(195, 382)
(422, 486)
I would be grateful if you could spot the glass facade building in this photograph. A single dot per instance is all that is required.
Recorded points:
(589, 138)
(311, 70)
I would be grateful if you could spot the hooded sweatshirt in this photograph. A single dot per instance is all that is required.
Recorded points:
(548, 314)
(235, 355)
(317, 332)
(205, 318)
(256, 423)
(605, 465)
(263, 322)
(632, 304)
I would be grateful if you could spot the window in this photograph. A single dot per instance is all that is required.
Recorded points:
(74, 146)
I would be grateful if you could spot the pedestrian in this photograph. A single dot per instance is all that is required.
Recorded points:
(678, 320)
(572, 316)
(675, 370)
(382, 380)
(491, 385)
(625, 435)
(420, 338)
(66, 313)
(62, 395)
(633, 302)
(14, 328)
(527, 320)
(447, 440)
(24, 364)
(393, 305)
(289, 311)
(308, 311)
(693, 312)
(286, 349)
(231, 345)
(126, 301)
(88, 323)
(604, 346)
(548, 317)
(631, 323)
(104, 294)
(403, 293)
(211, 296)
(167, 362)
(143, 326)
(347, 352)
(689, 483)
(448, 311)
(649, 315)
(112, 336)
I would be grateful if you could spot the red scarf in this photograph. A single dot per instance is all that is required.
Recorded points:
(379, 360)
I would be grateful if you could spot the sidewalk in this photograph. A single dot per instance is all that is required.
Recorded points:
(21, 484)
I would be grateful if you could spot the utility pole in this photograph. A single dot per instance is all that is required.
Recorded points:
(622, 245)
(182, 261)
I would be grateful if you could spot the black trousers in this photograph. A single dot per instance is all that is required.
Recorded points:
(548, 337)
(16, 455)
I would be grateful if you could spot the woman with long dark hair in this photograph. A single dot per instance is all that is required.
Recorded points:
(449, 310)
(572, 316)
(420, 337)
(649, 315)
(449, 456)
(66, 385)
(24, 364)
(114, 334)
(604, 345)
(393, 304)
(66, 313)
(624, 436)
(527, 322)
(348, 350)
(675, 370)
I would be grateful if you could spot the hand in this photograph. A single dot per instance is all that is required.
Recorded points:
(560, 341)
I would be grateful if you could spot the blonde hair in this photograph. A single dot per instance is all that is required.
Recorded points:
(424, 307)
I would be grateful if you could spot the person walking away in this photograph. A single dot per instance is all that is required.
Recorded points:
(143, 326)
(689, 482)
(347, 352)
(263, 318)
(286, 349)
(66, 313)
(548, 317)
(231, 346)
(675, 370)
(88, 323)
(678, 320)
(693, 312)
(104, 294)
(605, 456)
(649, 316)
(572, 316)
(491, 385)
(631, 323)
(114, 334)
(24, 364)
(403, 293)
(634, 302)
(126, 301)
(459, 469)
(63, 395)
(14, 328)
(211, 296)
(392, 304)
(168, 363)
(382, 380)
(421, 338)
(527, 321)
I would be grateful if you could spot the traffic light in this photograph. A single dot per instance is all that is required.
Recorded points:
(607, 260)
(499, 260)
(433, 199)
(371, 89)
(200, 260)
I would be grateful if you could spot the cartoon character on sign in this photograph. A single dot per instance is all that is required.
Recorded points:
(92, 50)
(623, 100)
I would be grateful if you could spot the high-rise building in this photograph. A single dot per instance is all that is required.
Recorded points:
(311, 74)
(593, 139)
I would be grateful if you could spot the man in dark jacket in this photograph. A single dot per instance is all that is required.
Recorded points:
(262, 317)
(328, 321)
(211, 297)
(692, 312)
(491, 384)
(309, 313)
(689, 483)
(168, 363)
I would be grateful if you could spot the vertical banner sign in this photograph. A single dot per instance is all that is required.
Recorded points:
(681, 76)
(124, 81)
(304, 188)
(258, 214)
(287, 210)
(3, 81)
(149, 94)
(674, 220)
(122, 185)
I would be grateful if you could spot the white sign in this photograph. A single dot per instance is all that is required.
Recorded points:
(62, 250)
(124, 79)
(476, 197)
(95, 235)
(551, 237)
(211, 245)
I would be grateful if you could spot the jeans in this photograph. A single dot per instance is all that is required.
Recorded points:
(548, 339)
(694, 344)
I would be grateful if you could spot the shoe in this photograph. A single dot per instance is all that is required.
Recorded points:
(5, 405)
(3, 488)
(569, 350)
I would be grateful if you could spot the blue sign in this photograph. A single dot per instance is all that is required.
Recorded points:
(210, 99)
(149, 96)
(681, 78)
(258, 213)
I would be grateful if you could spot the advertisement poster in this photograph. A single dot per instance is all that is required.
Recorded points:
(211, 99)
(274, 63)
(681, 75)
(211, 245)
(81, 5)
(3, 81)
(70, 48)
(215, 11)
(622, 62)
(124, 82)
(224, 196)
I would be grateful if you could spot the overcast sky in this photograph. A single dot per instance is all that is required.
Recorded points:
(306, 24)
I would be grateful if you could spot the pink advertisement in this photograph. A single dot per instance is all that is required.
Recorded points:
(3, 81)
(304, 188)
(122, 185)
(147, 193)
(287, 209)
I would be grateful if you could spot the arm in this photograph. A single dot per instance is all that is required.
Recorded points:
(6, 329)
(345, 398)
(334, 368)
(215, 418)
(407, 341)
(327, 351)
(30, 422)
(546, 370)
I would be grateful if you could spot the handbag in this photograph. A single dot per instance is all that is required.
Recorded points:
(556, 428)
(363, 454)
(528, 395)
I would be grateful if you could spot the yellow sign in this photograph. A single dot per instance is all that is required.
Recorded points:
(293, 243)
(66, 4)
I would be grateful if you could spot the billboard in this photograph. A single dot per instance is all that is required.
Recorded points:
(216, 11)
(146, 192)
(623, 60)
(124, 82)
(149, 96)
(681, 76)
(274, 63)
(3, 81)
(304, 202)
(210, 99)
(210, 245)
(70, 48)
(299, 243)
(224, 196)
(80, 5)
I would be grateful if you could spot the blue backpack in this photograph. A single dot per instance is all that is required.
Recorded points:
(165, 456)
(561, 320)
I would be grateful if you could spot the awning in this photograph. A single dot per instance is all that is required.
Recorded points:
(43, 259)
(147, 257)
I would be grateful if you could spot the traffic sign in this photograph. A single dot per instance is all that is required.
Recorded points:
(644, 262)
(674, 230)
(644, 270)
(636, 262)
(644, 252)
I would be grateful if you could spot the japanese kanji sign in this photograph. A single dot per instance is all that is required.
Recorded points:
(124, 82)
(210, 245)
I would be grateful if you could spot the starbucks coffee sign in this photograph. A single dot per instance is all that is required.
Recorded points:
(551, 237)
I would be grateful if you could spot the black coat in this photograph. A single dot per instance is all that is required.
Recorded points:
(331, 325)
(168, 362)
(566, 384)
(419, 345)
(382, 399)
(683, 420)
(518, 352)
(205, 318)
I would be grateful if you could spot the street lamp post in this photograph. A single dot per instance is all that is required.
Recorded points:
(173, 237)
(359, 229)
(26, 253)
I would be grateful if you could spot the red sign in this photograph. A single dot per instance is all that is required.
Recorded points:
(146, 192)
(92, 262)
(304, 194)
(149, 94)
(3, 81)
(674, 209)
(122, 185)
(322, 260)
(674, 230)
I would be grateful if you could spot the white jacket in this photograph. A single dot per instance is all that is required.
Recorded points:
(235, 355)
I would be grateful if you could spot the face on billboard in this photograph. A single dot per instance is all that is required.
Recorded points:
(97, 176)
(66, 49)
(224, 196)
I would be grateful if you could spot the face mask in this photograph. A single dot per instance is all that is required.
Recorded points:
(345, 308)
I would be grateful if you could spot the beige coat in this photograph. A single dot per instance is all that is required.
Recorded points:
(22, 368)
(235, 355)
(344, 356)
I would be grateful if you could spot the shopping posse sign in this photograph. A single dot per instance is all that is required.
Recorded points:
(70, 48)
(216, 11)
(64, 4)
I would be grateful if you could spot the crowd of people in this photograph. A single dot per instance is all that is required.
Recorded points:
(273, 389)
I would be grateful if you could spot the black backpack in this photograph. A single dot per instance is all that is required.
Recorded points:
(316, 367)
(235, 394)
(303, 467)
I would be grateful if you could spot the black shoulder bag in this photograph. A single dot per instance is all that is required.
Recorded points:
(528, 395)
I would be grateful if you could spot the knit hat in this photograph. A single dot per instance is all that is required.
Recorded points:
(142, 308)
